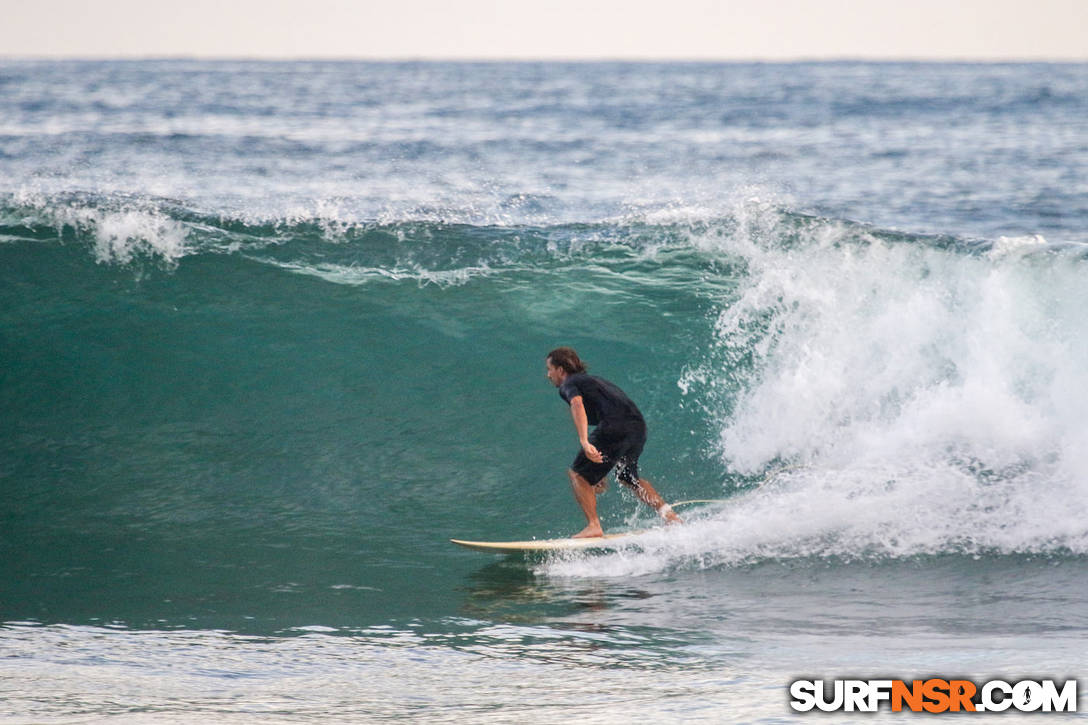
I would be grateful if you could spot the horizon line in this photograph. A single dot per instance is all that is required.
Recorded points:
(979, 60)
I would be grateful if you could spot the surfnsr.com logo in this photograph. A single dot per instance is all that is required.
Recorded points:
(933, 695)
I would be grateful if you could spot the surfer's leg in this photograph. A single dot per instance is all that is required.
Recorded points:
(649, 496)
(627, 473)
(585, 494)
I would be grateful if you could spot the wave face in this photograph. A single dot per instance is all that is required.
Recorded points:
(862, 393)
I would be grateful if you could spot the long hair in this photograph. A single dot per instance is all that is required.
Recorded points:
(567, 358)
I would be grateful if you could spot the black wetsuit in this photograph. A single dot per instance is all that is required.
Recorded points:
(620, 431)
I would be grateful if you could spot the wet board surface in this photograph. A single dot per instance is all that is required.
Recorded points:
(607, 541)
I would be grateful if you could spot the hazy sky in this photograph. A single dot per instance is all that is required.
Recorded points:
(710, 29)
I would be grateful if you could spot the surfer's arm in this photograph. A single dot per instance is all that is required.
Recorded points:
(581, 424)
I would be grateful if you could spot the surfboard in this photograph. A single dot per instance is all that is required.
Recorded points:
(608, 541)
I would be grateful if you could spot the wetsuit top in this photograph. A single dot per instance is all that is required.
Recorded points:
(606, 405)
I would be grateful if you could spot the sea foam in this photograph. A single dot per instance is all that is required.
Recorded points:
(924, 400)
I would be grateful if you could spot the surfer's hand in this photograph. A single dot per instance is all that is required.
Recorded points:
(592, 453)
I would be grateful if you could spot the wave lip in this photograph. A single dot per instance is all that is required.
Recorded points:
(120, 230)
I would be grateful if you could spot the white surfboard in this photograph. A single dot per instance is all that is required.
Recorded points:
(608, 541)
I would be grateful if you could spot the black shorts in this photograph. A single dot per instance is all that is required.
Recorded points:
(620, 446)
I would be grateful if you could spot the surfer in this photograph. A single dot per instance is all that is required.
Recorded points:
(615, 442)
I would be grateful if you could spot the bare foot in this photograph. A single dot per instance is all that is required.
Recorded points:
(590, 532)
(666, 512)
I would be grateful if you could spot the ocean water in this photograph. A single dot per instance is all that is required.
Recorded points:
(271, 333)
